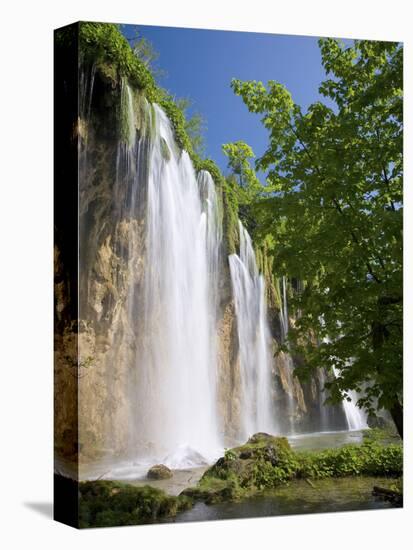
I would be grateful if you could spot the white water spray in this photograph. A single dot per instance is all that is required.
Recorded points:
(177, 366)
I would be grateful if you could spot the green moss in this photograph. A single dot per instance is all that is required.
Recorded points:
(104, 46)
(177, 119)
(266, 462)
(213, 490)
(265, 263)
(230, 225)
(108, 71)
(382, 435)
(166, 153)
(109, 503)
(370, 459)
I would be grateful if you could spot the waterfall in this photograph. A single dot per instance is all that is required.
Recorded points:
(176, 390)
(355, 417)
(254, 340)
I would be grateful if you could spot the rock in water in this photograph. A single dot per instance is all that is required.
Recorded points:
(261, 437)
(159, 471)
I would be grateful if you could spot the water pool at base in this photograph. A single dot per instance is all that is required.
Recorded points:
(298, 497)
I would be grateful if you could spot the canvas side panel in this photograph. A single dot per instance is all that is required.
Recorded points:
(66, 83)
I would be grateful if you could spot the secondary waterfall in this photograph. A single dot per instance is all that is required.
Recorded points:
(257, 412)
(356, 418)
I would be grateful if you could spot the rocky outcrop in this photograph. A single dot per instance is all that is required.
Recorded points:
(159, 471)
(108, 503)
(229, 382)
(243, 470)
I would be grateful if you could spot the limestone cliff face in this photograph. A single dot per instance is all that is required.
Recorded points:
(93, 328)
(229, 382)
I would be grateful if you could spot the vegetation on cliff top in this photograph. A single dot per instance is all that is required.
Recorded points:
(105, 47)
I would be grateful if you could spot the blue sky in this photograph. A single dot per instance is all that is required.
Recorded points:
(199, 65)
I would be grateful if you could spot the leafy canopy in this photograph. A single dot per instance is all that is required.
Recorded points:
(334, 208)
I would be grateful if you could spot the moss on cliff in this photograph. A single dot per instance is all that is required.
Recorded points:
(230, 222)
(103, 46)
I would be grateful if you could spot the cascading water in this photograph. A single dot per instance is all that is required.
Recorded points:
(257, 412)
(177, 367)
(355, 417)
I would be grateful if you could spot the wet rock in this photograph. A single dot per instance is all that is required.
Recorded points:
(261, 437)
(257, 463)
(214, 491)
(159, 471)
(245, 454)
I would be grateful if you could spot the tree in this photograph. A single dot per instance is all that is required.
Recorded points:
(195, 126)
(247, 186)
(334, 209)
(144, 50)
(239, 155)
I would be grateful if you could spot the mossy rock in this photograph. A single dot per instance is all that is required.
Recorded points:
(165, 151)
(159, 471)
(262, 462)
(109, 503)
(212, 491)
(108, 73)
(266, 462)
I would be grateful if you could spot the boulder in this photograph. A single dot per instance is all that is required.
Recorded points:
(258, 463)
(159, 471)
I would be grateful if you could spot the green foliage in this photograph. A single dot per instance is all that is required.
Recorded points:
(334, 211)
(231, 208)
(230, 455)
(380, 435)
(103, 43)
(239, 155)
(104, 46)
(268, 474)
(397, 486)
(109, 503)
(248, 187)
(268, 463)
(177, 118)
(195, 126)
(213, 490)
(370, 459)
